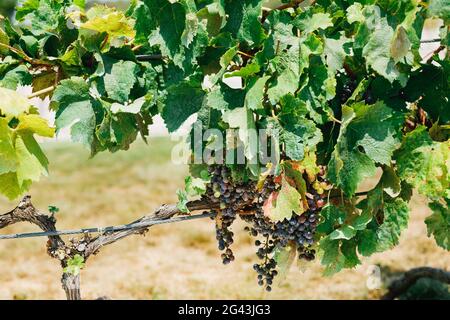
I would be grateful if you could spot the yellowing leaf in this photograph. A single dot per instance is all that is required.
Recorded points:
(287, 203)
(400, 44)
(115, 24)
(33, 123)
(32, 161)
(12, 104)
(8, 158)
(4, 39)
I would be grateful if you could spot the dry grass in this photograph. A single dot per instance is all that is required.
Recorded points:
(177, 261)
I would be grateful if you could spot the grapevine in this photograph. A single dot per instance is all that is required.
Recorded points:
(338, 89)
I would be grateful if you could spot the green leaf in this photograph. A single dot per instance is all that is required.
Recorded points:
(335, 51)
(32, 162)
(74, 265)
(222, 97)
(355, 13)
(215, 17)
(390, 182)
(120, 79)
(429, 87)
(439, 9)
(309, 23)
(172, 23)
(345, 232)
(377, 51)
(27, 7)
(243, 120)
(74, 109)
(332, 217)
(287, 69)
(369, 135)
(183, 100)
(367, 242)
(246, 71)
(17, 76)
(255, 93)
(244, 21)
(395, 220)
(4, 39)
(144, 23)
(285, 257)
(195, 186)
(80, 3)
(10, 186)
(438, 224)
(288, 202)
(425, 164)
(183, 199)
(332, 257)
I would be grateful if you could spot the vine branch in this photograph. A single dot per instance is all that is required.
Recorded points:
(409, 278)
(86, 246)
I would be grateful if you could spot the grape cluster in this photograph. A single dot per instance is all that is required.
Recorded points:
(262, 226)
(298, 231)
(369, 97)
(231, 197)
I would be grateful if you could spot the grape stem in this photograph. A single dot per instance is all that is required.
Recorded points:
(28, 59)
(41, 92)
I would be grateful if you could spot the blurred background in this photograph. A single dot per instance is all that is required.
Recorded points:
(176, 261)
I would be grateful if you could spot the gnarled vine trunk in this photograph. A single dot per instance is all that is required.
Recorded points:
(71, 285)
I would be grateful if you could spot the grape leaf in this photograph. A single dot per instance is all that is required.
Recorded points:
(438, 224)
(332, 217)
(345, 232)
(369, 135)
(400, 45)
(183, 100)
(119, 79)
(172, 23)
(285, 257)
(287, 67)
(8, 157)
(395, 220)
(287, 203)
(425, 164)
(255, 93)
(74, 109)
(34, 124)
(311, 22)
(377, 51)
(440, 9)
(12, 103)
(355, 13)
(429, 86)
(335, 51)
(244, 22)
(115, 24)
